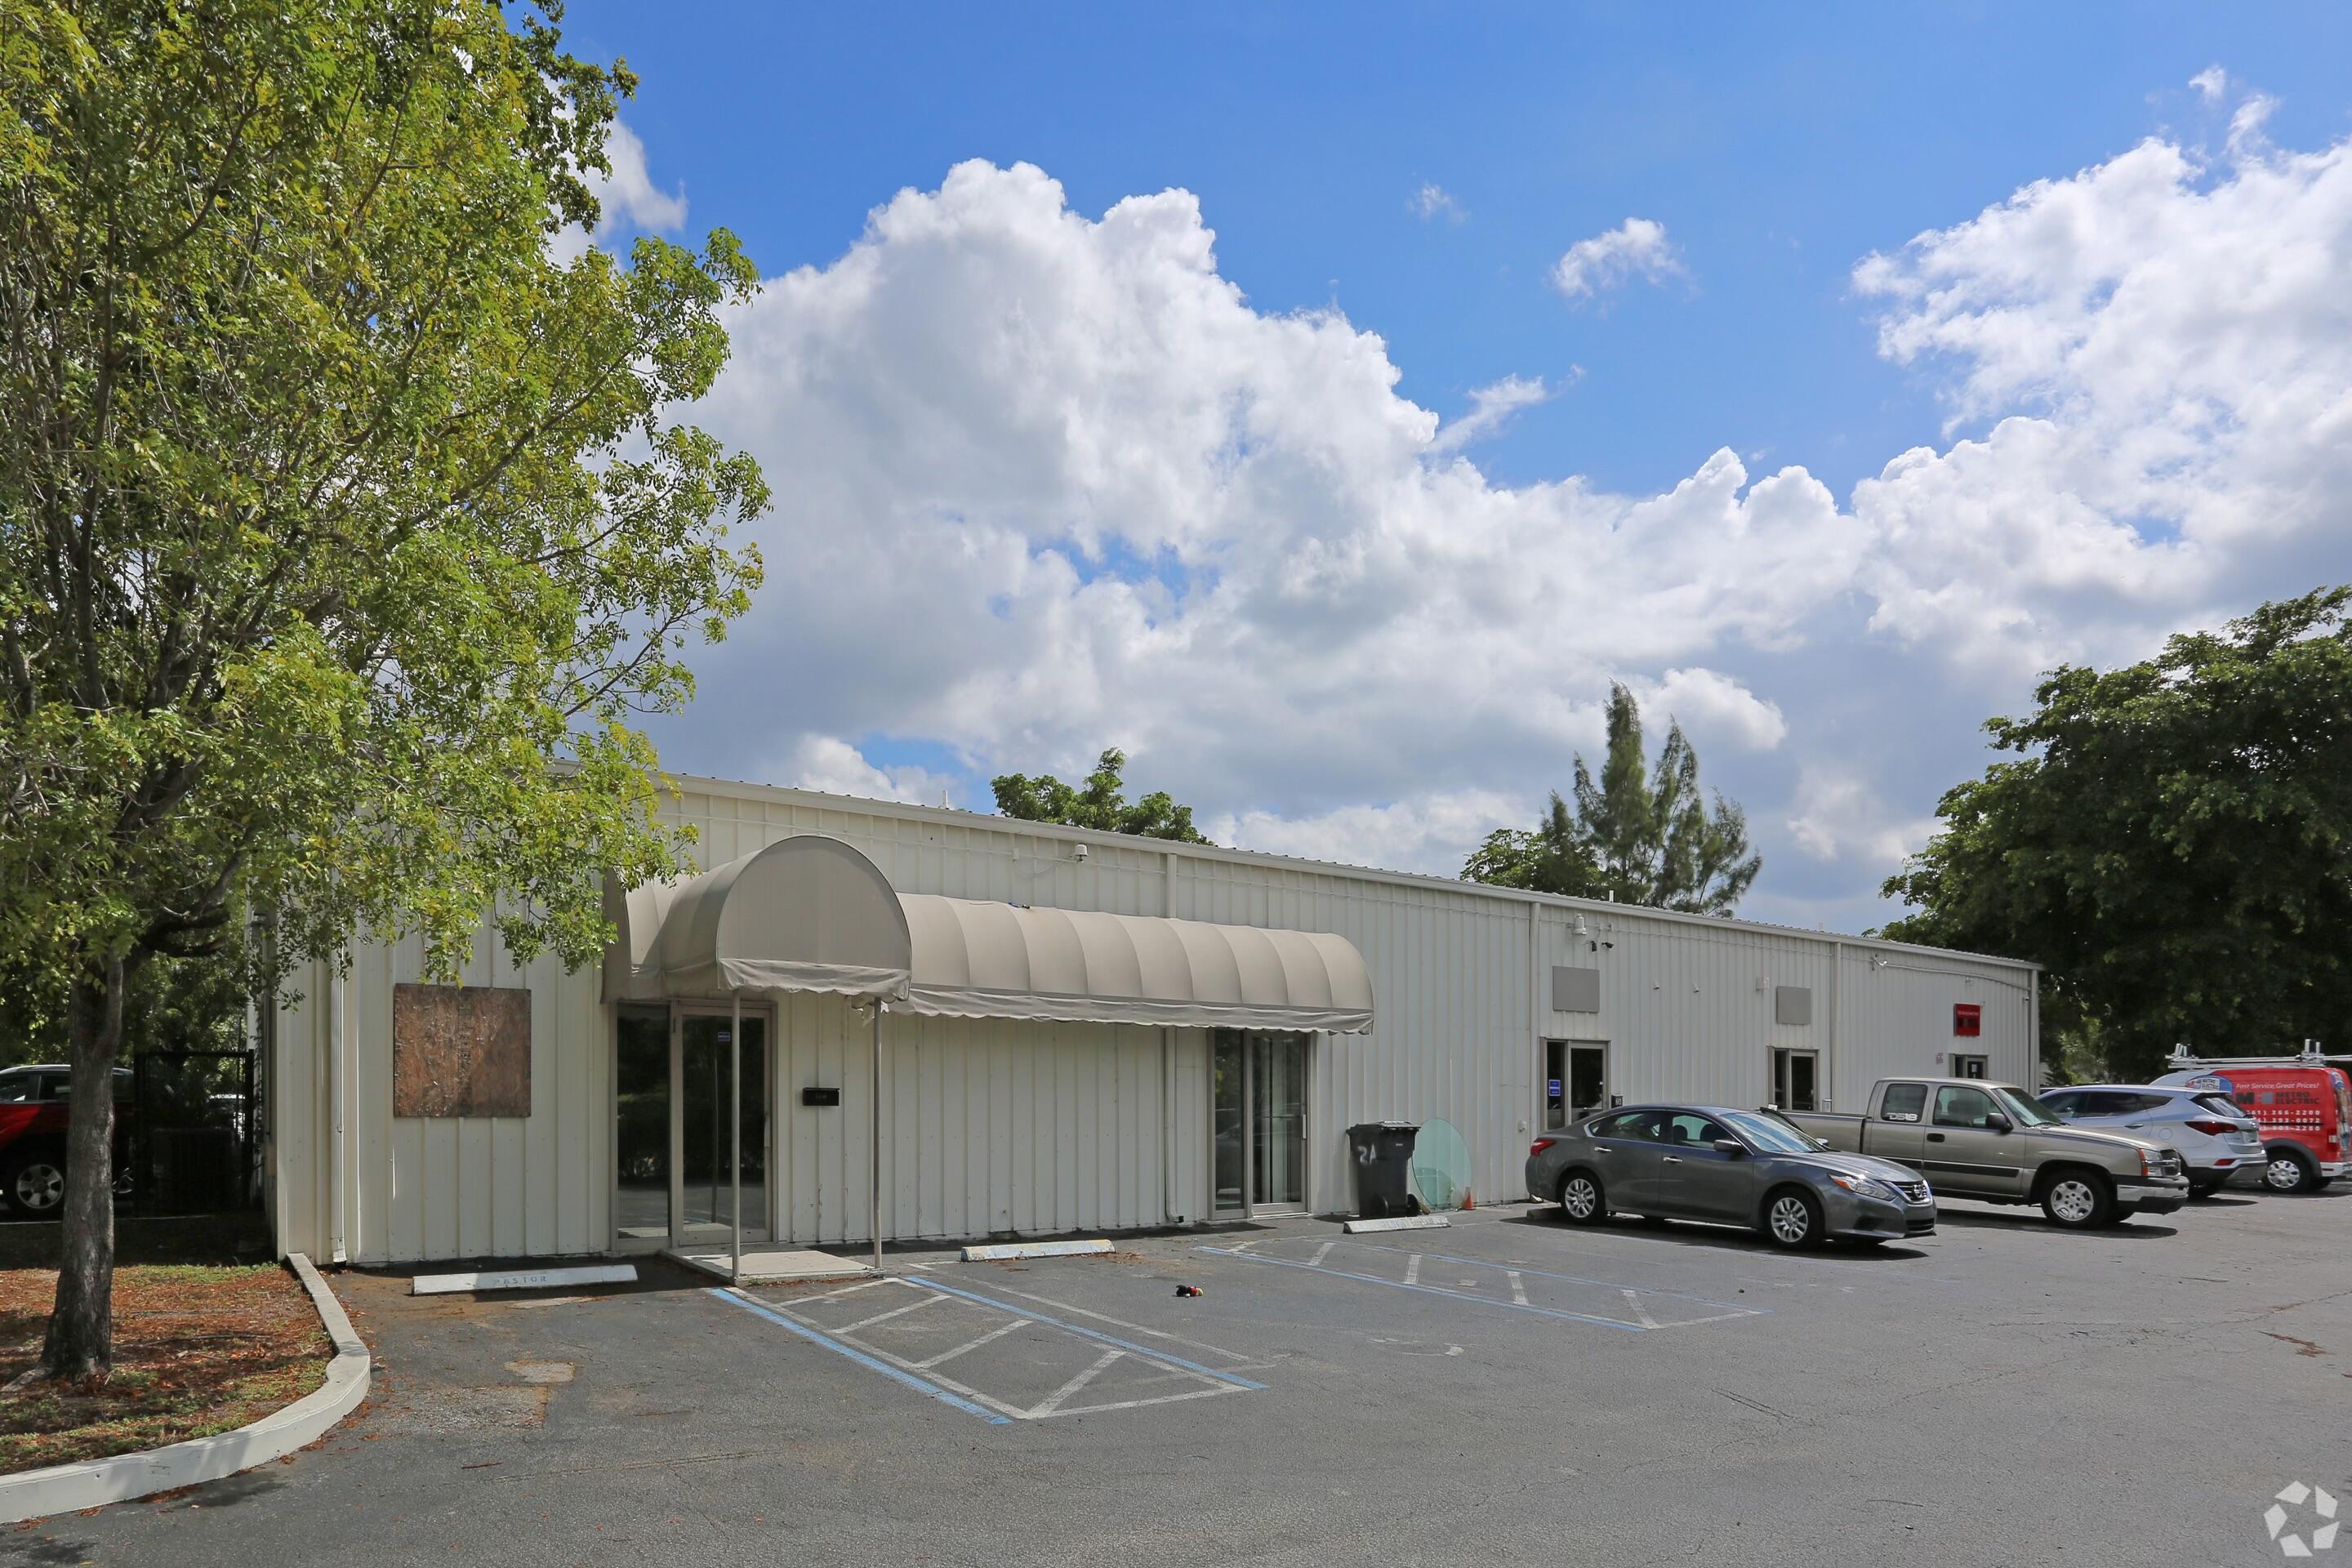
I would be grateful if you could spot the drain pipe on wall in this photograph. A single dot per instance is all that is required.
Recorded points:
(735, 1134)
(1168, 1064)
(339, 990)
(874, 1182)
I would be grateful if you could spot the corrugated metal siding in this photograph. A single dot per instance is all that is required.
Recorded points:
(454, 1187)
(996, 1126)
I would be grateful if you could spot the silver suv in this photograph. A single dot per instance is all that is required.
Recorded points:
(2216, 1140)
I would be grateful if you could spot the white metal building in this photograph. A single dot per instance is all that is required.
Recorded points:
(1042, 1066)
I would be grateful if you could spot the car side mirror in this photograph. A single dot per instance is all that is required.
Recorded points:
(1731, 1146)
(2001, 1124)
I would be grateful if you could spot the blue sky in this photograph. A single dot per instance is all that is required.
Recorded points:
(1775, 148)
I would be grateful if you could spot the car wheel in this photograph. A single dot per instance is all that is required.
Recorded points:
(1580, 1200)
(2291, 1171)
(1792, 1219)
(2079, 1200)
(35, 1184)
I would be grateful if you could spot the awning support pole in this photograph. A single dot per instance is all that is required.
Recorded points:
(873, 1185)
(735, 1136)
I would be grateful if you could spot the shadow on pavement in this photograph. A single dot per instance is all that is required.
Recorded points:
(1717, 1239)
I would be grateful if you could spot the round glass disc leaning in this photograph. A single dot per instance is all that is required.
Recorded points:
(1441, 1168)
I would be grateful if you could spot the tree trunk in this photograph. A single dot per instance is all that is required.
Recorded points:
(80, 1343)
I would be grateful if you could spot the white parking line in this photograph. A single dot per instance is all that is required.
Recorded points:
(1236, 1358)
(1209, 1381)
(886, 1317)
(1572, 1278)
(1429, 1290)
(931, 1361)
(1054, 1401)
(1643, 1319)
(850, 1289)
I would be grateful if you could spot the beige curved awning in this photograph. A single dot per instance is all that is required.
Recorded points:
(806, 914)
(974, 960)
(811, 913)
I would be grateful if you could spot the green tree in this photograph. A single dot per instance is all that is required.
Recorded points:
(2174, 840)
(1553, 856)
(1100, 803)
(1629, 838)
(345, 529)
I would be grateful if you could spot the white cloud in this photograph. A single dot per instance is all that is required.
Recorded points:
(1048, 482)
(1432, 202)
(1837, 816)
(834, 765)
(2210, 83)
(1490, 406)
(1636, 247)
(628, 191)
(627, 195)
(1708, 704)
(1430, 834)
(2162, 345)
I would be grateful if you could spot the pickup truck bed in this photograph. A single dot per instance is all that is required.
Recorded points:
(1994, 1142)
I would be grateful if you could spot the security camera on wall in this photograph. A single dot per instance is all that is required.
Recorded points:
(1079, 854)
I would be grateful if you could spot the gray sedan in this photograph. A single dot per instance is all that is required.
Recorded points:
(1726, 1167)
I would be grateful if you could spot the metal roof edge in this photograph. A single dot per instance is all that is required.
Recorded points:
(951, 816)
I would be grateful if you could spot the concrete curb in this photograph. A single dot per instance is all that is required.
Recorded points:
(1400, 1222)
(64, 1488)
(1011, 1251)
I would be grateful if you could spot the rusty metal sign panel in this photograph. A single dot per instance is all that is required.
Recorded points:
(460, 1050)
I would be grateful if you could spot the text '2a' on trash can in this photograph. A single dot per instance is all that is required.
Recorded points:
(1383, 1156)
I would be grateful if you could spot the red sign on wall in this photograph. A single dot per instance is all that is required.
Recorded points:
(1968, 1019)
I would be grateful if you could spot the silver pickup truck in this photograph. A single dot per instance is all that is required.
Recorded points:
(1994, 1142)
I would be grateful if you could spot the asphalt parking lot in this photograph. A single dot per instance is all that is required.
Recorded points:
(1506, 1390)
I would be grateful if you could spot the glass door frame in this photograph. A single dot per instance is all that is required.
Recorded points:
(1250, 1040)
(1783, 1072)
(1569, 1113)
(764, 1013)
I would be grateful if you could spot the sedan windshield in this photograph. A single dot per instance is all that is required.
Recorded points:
(1771, 1134)
(2023, 1110)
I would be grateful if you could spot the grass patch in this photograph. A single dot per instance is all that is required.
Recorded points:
(198, 1349)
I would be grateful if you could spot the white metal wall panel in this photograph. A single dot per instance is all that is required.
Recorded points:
(451, 1187)
(997, 1126)
(989, 1126)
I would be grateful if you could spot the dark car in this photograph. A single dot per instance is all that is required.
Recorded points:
(1745, 1168)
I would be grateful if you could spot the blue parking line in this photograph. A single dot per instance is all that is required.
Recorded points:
(1572, 1278)
(1035, 1316)
(1429, 1289)
(861, 1358)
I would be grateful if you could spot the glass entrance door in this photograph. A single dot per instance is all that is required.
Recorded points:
(641, 1162)
(704, 1190)
(1258, 1121)
(1278, 1123)
(1796, 1080)
(1587, 1078)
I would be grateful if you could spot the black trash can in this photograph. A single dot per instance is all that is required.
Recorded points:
(1384, 1152)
